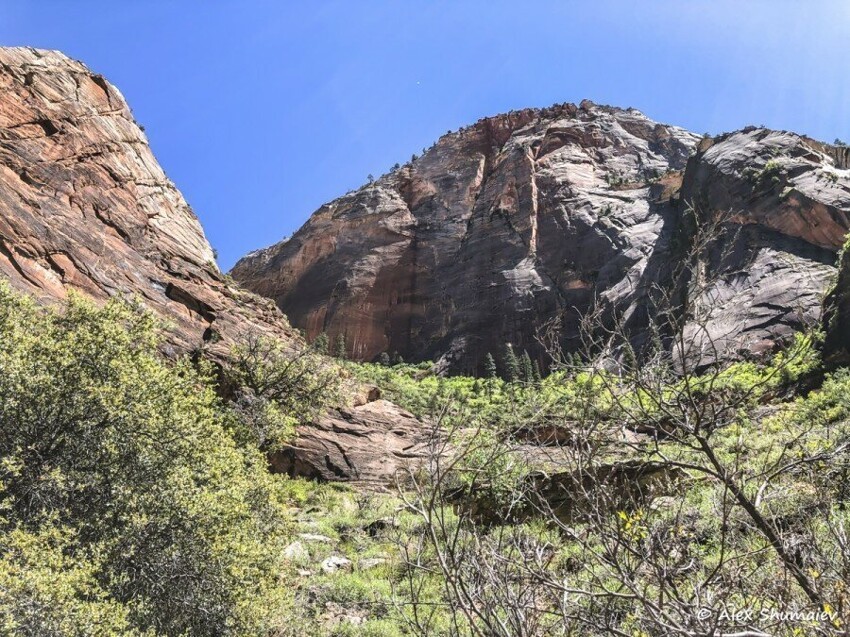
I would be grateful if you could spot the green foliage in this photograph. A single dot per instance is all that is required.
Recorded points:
(46, 590)
(490, 370)
(320, 344)
(536, 372)
(787, 366)
(789, 459)
(511, 362)
(276, 388)
(133, 501)
(769, 175)
(527, 368)
(491, 403)
(127, 507)
(340, 350)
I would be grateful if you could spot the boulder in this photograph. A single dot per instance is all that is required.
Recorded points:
(375, 444)
(296, 552)
(370, 563)
(375, 527)
(336, 564)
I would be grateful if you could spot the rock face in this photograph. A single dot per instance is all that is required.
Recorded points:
(523, 217)
(84, 205)
(786, 199)
(371, 444)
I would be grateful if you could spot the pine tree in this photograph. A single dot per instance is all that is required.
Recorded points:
(320, 344)
(512, 369)
(384, 359)
(538, 377)
(340, 350)
(490, 370)
(397, 359)
(527, 368)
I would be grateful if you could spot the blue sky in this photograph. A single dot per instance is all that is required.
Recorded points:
(261, 111)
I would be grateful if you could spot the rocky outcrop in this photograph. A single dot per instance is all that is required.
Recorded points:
(485, 237)
(373, 444)
(837, 315)
(85, 206)
(786, 202)
(537, 214)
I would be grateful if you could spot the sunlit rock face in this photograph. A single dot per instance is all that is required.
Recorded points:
(787, 201)
(84, 205)
(536, 214)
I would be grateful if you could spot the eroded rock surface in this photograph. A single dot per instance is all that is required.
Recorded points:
(372, 444)
(540, 213)
(84, 205)
(787, 201)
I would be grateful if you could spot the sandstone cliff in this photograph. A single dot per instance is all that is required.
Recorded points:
(84, 205)
(787, 199)
(541, 213)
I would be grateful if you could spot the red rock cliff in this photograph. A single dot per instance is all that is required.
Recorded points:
(84, 205)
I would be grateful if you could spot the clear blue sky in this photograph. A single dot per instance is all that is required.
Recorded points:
(262, 111)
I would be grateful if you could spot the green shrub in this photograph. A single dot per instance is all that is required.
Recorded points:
(276, 388)
(123, 495)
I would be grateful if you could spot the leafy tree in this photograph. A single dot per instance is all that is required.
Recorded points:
(273, 388)
(126, 506)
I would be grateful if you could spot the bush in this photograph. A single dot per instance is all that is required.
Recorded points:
(275, 388)
(126, 505)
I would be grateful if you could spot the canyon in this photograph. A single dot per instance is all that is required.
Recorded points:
(86, 209)
(493, 233)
